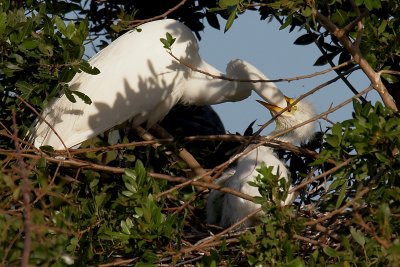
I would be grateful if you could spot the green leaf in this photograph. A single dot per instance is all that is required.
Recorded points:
(83, 97)
(306, 39)
(85, 66)
(66, 75)
(382, 27)
(372, 4)
(287, 22)
(227, 3)
(46, 49)
(333, 140)
(340, 17)
(358, 236)
(330, 252)
(69, 95)
(168, 41)
(125, 228)
(42, 164)
(3, 22)
(342, 194)
(390, 78)
(296, 263)
(60, 24)
(307, 11)
(230, 20)
(24, 87)
(47, 148)
(131, 173)
(30, 44)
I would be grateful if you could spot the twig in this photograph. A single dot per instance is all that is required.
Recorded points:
(25, 190)
(354, 50)
(308, 240)
(226, 78)
(118, 262)
(229, 229)
(44, 120)
(135, 23)
(359, 220)
(88, 165)
(343, 78)
(322, 175)
(340, 210)
(186, 156)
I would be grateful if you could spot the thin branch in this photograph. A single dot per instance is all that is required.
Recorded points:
(88, 165)
(227, 230)
(340, 210)
(25, 190)
(343, 78)
(186, 156)
(322, 175)
(308, 240)
(226, 78)
(137, 22)
(360, 221)
(44, 120)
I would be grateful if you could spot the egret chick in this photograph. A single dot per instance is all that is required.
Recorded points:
(140, 81)
(225, 209)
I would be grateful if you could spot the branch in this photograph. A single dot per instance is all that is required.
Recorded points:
(22, 170)
(359, 220)
(354, 50)
(138, 22)
(226, 78)
(340, 210)
(186, 156)
(322, 175)
(44, 120)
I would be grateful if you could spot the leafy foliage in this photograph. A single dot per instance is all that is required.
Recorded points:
(40, 55)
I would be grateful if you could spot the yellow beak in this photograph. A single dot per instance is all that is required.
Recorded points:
(274, 108)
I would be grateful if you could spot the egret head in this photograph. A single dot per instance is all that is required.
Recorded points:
(296, 114)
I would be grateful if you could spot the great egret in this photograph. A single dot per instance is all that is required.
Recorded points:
(224, 209)
(139, 80)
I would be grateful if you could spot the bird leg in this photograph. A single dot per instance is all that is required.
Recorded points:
(185, 156)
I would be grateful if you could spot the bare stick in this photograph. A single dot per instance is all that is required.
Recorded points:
(44, 120)
(25, 190)
(322, 175)
(135, 23)
(340, 210)
(224, 77)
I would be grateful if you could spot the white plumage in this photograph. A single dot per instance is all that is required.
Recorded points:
(224, 209)
(139, 80)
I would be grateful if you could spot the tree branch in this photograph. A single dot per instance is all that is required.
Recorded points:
(355, 52)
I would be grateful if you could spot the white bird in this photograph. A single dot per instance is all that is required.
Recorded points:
(139, 80)
(225, 209)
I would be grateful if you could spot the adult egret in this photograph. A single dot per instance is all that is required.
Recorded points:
(225, 209)
(139, 80)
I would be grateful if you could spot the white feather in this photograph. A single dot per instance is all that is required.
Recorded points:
(225, 209)
(139, 80)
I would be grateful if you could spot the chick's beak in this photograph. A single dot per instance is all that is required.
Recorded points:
(274, 108)
(289, 100)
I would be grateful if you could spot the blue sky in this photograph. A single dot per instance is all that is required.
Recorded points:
(273, 52)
